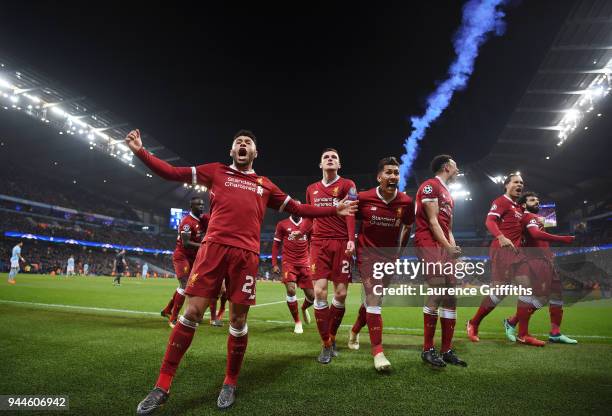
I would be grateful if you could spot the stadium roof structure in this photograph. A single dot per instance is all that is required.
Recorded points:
(568, 95)
(64, 130)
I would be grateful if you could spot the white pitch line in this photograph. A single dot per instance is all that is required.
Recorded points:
(94, 308)
(269, 321)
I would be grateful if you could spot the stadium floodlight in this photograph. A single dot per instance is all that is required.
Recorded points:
(58, 111)
(498, 179)
(460, 193)
(123, 147)
(5, 84)
(598, 88)
(32, 98)
(78, 121)
(126, 156)
(455, 186)
(14, 98)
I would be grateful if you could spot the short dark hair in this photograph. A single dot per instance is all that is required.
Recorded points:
(439, 161)
(194, 198)
(247, 133)
(330, 149)
(509, 177)
(386, 161)
(523, 198)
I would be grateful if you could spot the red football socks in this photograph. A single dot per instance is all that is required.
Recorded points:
(448, 318)
(361, 320)
(213, 309)
(486, 306)
(556, 315)
(336, 313)
(524, 312)
(236, 347)
(322, 318)
(292, 303)
(375, 327)
(179, 300)
(222, 302)
(179, 342)
(430, 320)
(306, 304)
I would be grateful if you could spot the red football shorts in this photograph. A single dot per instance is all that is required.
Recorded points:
(182, 265)
(541, 274)
(329, 261)
(436, 261)
(372, 284)
(299, 274)
(218, 262)
(504, 264)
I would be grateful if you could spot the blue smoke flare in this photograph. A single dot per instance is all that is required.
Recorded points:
(480, 17)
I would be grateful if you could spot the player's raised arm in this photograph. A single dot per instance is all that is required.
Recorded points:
(537, 234)
(283, 202)
(158, 166)
(344, 208)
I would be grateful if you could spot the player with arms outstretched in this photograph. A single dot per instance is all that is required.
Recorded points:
(230, 252)
(331, 251)
(383, 211)
(294, 235)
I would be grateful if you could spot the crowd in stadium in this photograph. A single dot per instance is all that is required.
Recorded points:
(46, 258)
(48, 226)
(14, 182)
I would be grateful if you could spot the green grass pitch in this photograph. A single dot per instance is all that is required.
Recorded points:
(102, 346)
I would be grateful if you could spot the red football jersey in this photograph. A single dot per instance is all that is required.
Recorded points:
(238, 202)
(197, 228)
(508, 215)
(431, 190)
(295, 250)
(541, 247)
(321, 195)
(381, 220)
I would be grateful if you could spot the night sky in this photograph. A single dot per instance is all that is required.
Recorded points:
(343, 75)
